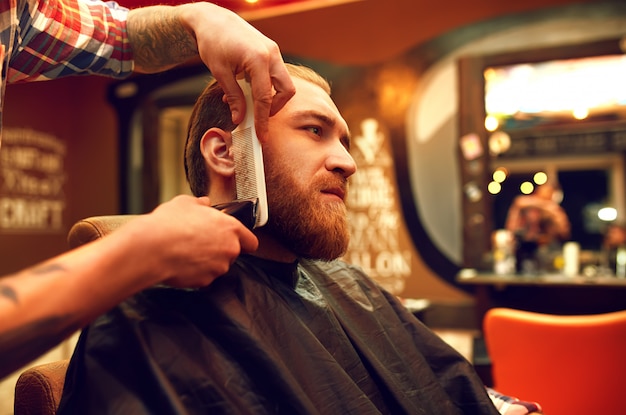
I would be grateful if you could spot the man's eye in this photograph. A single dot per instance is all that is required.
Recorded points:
(314, 130)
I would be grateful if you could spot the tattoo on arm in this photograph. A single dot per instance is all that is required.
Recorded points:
(9, 292)
(47, 268)
(159, 39)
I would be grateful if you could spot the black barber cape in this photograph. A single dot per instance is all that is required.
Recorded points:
(269, 338)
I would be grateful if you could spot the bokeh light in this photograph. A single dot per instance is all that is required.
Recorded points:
(607, 214)
(491, 123)
(540, 178)
(527, 188)
(500, 174)
(494, 188)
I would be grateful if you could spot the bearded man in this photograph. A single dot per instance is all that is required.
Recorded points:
(289, 329)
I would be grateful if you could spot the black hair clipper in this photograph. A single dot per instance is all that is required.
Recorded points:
(244, 210)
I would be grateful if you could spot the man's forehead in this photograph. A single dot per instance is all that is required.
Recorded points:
(312, 98)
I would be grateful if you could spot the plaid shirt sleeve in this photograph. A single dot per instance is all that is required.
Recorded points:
(507, 405)
(57, 38)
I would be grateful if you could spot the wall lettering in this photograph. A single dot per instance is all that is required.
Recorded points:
(32, 174)
(373, 212)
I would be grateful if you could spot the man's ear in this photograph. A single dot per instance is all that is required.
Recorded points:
(216, 147)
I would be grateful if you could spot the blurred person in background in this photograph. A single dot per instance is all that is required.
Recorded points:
(537, 222)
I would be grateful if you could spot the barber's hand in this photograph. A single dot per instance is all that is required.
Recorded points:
(195, 242)
(229, 46)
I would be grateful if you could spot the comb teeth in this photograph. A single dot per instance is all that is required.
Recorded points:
(248, 158)
(245, 174)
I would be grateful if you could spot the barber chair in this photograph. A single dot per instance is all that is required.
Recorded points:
(38, 389)
(569, 364)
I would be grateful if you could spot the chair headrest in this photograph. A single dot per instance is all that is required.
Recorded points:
(90, 229)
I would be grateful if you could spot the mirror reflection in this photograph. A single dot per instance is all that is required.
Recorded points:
(555, 92)
(573, 191)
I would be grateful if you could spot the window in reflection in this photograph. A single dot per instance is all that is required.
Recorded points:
(554, 92)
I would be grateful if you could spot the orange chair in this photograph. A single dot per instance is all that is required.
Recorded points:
(569, 364)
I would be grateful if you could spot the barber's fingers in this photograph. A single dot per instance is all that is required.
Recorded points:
(281, 89)
(192, 242)
(229, 46)
(233, 96)
(271, 88)
(249, 242)
(282, 83)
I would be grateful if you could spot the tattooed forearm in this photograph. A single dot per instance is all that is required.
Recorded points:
(159, 39)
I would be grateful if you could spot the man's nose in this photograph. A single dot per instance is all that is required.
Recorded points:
(341, 160)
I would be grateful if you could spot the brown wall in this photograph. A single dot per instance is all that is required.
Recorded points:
(74, 110)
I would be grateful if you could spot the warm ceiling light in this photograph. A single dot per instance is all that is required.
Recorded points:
(252, 1)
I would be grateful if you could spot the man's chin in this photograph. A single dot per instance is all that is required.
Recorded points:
(327, 247)
(314, 229)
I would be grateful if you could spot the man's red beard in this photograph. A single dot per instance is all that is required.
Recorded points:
(306, 221)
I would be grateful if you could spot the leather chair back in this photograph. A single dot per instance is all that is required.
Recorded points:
(38, 389)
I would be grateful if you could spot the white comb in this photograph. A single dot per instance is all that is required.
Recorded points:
(248, 157)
